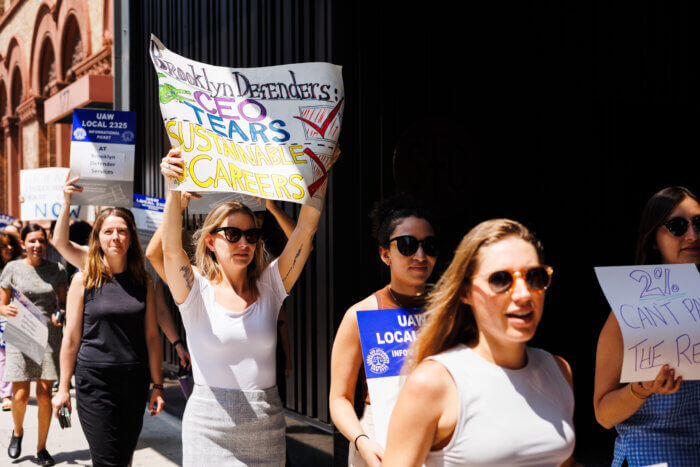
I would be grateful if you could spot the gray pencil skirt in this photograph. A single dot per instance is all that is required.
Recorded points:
(232, 427)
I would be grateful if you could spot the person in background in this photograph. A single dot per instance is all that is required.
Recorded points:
(111, 341)
(657, 421)
(10, 250)
(15, 228)
(274, 244)
(76, 254)
(476, 393)
(44, 283)
(407, 245)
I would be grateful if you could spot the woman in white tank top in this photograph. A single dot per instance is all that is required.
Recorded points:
(477, 394)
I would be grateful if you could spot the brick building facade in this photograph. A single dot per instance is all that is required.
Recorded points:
(54, 56)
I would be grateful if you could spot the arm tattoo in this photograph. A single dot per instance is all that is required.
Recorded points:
(294, 262)
(188, 276)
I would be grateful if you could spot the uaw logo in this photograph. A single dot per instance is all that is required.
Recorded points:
(128, 136)
(79, 133)
(378, 361)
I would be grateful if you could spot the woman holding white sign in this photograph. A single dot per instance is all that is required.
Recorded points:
(44, 283)
(408, 246)
(657, 421)
(229, 305)
(476, 393)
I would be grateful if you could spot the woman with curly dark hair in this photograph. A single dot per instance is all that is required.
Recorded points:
(408, 247)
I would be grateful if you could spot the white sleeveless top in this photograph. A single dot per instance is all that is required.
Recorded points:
(507, 417)
(233, 350)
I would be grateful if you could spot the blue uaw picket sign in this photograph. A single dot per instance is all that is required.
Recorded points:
(385, 336)
(102, 152)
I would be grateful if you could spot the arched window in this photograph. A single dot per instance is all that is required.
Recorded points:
(3, 100)
(47, 68)
(72, 48)
(17, 90)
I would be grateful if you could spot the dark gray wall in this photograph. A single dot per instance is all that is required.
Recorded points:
(246, 34)
(564, 116)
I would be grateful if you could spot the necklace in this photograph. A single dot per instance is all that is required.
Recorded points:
(416, 301)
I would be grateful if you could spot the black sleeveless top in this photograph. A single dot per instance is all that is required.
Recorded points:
(114, 324)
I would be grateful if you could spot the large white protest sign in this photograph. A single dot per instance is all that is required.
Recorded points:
(658, 310)
(102, 153)
(385, 336)
(42, 190)
(28, 331)
(269, 132)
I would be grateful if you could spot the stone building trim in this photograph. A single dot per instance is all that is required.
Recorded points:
(31, 109)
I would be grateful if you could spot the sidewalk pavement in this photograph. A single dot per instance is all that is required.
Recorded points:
(159, 444)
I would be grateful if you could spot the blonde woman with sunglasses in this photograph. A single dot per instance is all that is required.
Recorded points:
(476, 393)
(229, 305)
(407, 246)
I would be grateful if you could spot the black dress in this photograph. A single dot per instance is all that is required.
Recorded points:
(111, 374)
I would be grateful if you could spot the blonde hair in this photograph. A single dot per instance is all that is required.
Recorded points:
(95, 272)
(205, 258)
(449, 320)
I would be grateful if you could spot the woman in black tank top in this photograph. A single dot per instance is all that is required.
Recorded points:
(111, 340)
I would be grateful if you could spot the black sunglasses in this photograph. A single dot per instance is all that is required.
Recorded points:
(408, 245)
(678, 226)
(234, 234)
(536, 278)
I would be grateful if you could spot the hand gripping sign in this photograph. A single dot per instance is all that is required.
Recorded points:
(269, 132)
(385, 336)
(658, 309)
(28, 331)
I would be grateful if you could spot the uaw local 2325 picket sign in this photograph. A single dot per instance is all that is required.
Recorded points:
(268, 132)
(385, 336)
(658, 310)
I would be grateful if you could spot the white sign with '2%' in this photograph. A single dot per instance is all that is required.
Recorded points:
(658, 310)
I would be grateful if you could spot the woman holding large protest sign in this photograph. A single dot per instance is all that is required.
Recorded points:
(229, 305)
(10, 250)
(476, 393)
(44, 284)
(407, 245)
(112, 342)
(657, 421)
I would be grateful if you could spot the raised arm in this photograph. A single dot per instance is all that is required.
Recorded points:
(70, 344)
(178, 270)
(72, 252)
(299, 246)
(154, 251)
(613, 401)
